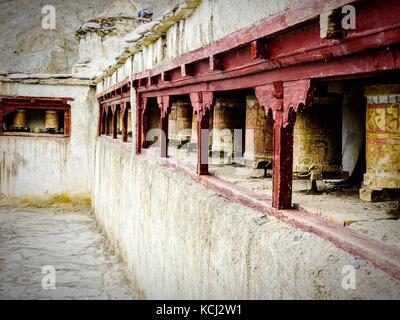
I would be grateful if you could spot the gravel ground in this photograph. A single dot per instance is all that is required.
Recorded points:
(67, 239)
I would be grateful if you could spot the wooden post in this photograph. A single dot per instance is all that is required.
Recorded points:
(67, 122)
(163, 136)
(124, 115)
(101, 121)
(107, 120)
(203, 126)
(114, 121)
(282, 163)
(284, 99)
(141, 124)
(164, 105)
(202, 103)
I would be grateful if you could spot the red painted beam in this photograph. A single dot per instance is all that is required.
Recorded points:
(299, 13)
(258, 74)
(303, 46)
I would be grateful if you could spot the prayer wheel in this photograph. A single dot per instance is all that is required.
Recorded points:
(184, 115)
(382, 140)
(259, 134)
(226, 118)
(317, 147)
(172, 125)
(121, 119)
(19, 121)
(51, 120)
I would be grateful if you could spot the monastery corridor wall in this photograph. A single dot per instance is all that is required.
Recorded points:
(50, 166)
(182, 241)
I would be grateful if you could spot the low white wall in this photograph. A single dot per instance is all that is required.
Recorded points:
(182, 241)
(39, 167)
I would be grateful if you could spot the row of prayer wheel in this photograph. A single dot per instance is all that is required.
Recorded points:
(51, 120)
(317, 137)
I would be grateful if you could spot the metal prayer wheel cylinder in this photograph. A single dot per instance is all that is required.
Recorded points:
(184, 115)
(226, 118)
(317, 145)
(259, 134)
(19, 121)
(382, 139)
(51, 120)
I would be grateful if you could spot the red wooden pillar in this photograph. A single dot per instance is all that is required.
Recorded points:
(141, 124)
(67, 122)
(203, 128)
(282, 163)
(1, 121)
(124, 115)
(114, 121)
(164, 105)
(101, 121)
(202, 103)
(108, 111)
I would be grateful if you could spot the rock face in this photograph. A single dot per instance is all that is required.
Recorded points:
(27, 47)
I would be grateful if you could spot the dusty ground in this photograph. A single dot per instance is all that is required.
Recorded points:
(64, 236)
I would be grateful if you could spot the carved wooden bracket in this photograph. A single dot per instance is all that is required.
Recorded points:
(298, 94)
(123, 107)
(270, 97)
(113, 108)
(164, 103)
(202, 102)
(286, 97)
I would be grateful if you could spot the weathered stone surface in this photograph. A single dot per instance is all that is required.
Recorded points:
(69, 241)
(26, 46)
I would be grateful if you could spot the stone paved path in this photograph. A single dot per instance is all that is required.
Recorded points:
(67, 240)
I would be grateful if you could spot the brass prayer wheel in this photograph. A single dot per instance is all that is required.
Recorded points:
(317, 146)
(184, 114)
(259, 134)
(382, 138)
(19, 122)
(226, 118)
(51, 120)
